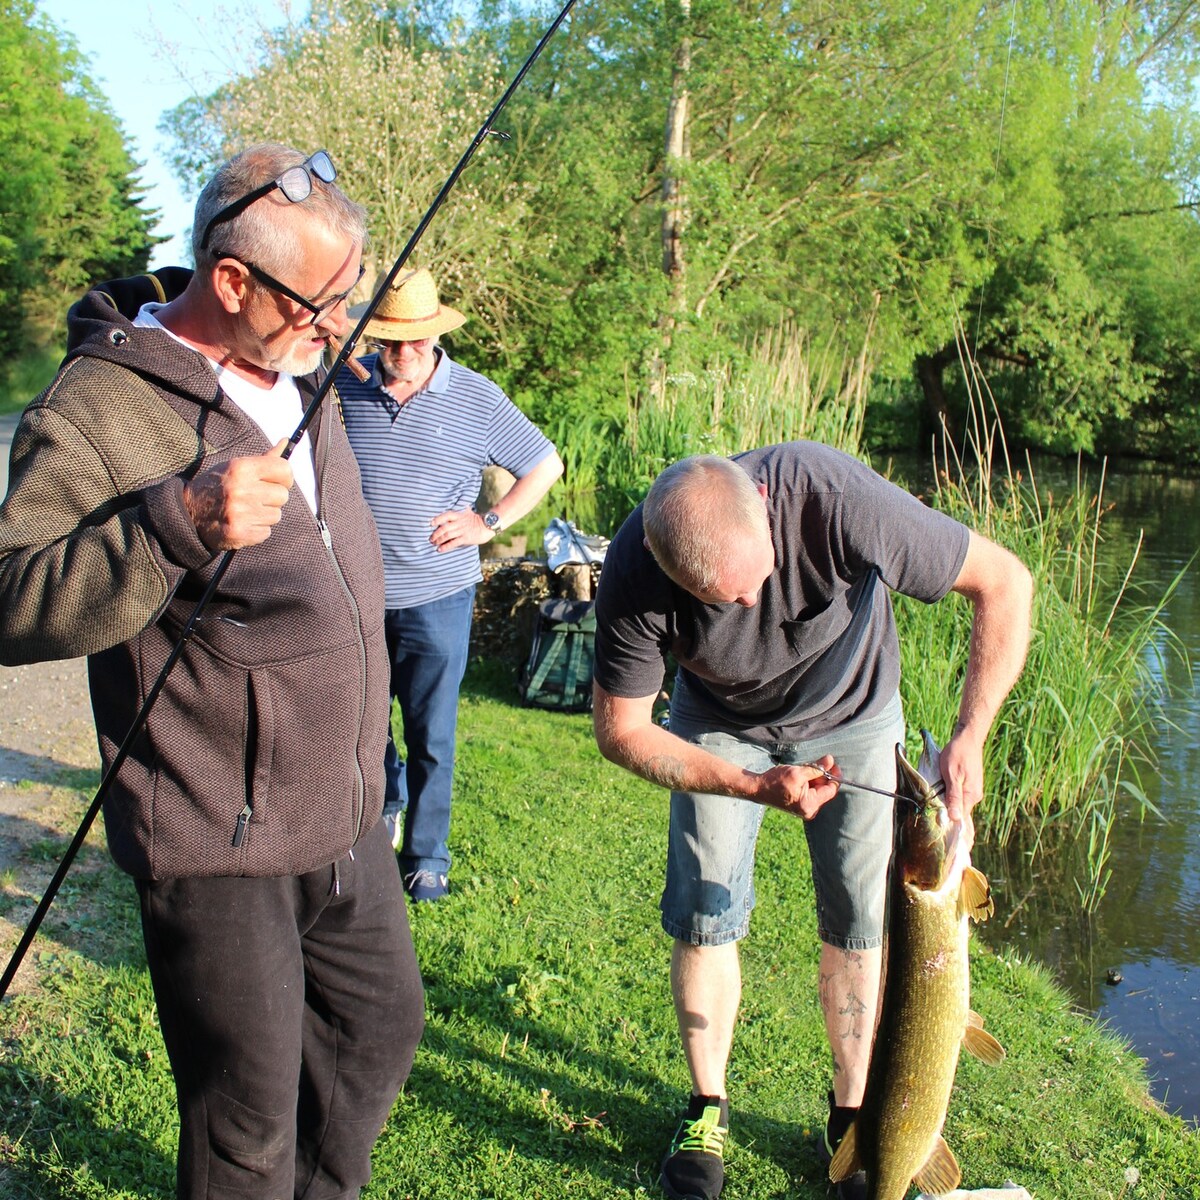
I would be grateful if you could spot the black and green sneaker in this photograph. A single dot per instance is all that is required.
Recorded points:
(694, 1168)
(838, 1121)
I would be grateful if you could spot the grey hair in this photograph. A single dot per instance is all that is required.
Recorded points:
(694, 511)
(256, 233)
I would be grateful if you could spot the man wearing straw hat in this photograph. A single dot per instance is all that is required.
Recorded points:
(424, 427)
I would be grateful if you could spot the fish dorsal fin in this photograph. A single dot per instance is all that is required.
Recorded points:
(979, 1043)
(941, 1172)
(975, 895)
(846, 1161)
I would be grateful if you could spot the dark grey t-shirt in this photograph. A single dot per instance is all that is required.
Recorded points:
(819, 648)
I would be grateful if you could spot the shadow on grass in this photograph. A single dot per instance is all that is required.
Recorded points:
(16, 766)
(130, 1165)
(598, 1115)
(94, 912)
(492, 679)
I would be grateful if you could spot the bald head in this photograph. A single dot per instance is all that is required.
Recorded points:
(706, 525)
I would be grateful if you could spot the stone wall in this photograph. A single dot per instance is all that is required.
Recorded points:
(507, 600)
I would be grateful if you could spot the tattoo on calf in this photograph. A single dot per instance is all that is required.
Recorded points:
(853, 1010)
(846, 1005)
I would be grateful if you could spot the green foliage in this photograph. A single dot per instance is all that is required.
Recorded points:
(1062, 316)
(68, 192)
(551, 1064)
(1069, 741)
(909, 169)
(781, 389)
(26, 376)
(1085, 315)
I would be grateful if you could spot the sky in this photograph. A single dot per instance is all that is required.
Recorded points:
(147, 56)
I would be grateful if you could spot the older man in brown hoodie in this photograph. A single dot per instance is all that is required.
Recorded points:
(248, 810)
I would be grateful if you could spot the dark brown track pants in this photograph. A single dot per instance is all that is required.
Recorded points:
(291, 1009)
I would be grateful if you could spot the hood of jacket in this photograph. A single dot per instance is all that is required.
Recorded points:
(101, 326)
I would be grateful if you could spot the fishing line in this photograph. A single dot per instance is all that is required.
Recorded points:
(343, 354)
(937, 788)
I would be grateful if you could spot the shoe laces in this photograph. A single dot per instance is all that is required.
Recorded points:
(418, 879)
(704, 1133)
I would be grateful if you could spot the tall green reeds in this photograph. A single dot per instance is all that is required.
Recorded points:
(1070, 742)
(787, 389)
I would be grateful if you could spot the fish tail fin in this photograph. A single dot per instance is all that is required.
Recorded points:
(975, 895)
(979, 1043)
(941, 1172)
(845, 1160)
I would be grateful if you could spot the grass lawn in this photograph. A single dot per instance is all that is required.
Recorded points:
(550, 1065)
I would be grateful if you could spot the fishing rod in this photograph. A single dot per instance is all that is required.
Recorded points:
(344, 351)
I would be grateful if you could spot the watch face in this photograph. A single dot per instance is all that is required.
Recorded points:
(491, 519)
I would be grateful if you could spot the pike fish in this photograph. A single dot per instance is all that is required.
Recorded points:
(925, 1013)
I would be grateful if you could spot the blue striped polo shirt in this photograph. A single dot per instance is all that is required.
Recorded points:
(427, 457)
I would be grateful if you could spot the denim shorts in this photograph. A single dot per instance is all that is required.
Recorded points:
(709, 892)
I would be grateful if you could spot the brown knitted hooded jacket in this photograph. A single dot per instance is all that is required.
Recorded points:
(263, 755)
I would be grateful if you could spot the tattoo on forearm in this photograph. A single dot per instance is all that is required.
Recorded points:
(664, 769)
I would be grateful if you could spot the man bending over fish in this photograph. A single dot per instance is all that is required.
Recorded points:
(768, 578)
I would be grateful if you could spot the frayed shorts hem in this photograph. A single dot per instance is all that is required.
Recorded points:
(697, 937)
(849, 943)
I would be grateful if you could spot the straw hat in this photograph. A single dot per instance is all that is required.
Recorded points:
(410, 310)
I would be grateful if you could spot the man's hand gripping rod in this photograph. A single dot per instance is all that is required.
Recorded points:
(344, 351)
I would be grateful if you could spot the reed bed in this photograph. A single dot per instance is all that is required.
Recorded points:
(786, 389)
(1066, 754)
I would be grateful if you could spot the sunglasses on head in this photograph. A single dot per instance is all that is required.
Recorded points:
(295, 183)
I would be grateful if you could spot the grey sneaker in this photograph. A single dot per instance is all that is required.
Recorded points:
(426, 885)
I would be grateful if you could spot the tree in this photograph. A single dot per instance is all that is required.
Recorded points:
(528, 243)
(1086, 317)
(69, 212)
(396, 112)
(907, 167)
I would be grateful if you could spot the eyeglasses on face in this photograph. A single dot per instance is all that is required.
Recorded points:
(324, 308)
(295, 183)
(379, 345)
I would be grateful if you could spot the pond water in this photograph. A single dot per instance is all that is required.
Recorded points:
(1145, 934)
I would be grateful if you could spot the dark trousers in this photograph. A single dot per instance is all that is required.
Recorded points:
(291, 1009)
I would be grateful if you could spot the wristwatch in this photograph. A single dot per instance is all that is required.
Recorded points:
(491, 519)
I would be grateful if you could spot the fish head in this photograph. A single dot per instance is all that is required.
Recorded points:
(926, 839)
